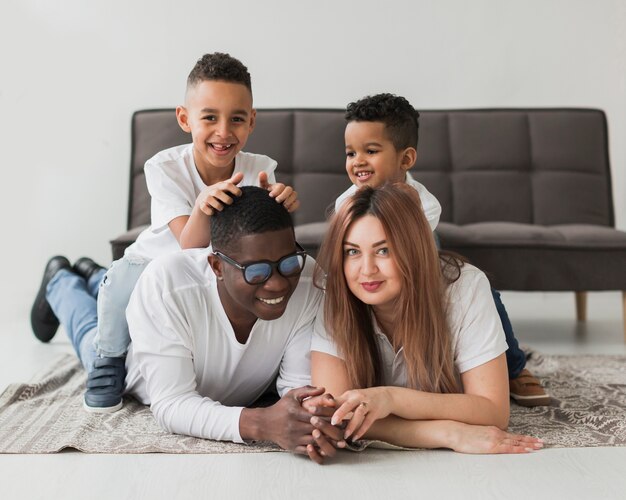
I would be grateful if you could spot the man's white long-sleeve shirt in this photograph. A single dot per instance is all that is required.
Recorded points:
(184, 360)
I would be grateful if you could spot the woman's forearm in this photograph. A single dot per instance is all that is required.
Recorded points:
(457, 436)
(410, 404)
(414, 434)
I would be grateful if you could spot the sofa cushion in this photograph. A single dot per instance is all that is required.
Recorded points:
(548, 268)
(510, 234)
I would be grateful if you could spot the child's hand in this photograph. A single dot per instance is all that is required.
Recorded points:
(215, 196)
(283, 194)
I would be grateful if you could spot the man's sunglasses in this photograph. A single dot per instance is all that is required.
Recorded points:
(259, 272)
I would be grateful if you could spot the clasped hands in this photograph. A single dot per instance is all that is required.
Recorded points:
(331, 421)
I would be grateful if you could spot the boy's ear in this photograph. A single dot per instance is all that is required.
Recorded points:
(409, 156)
(216, 266)
(252, 119)
(183, 118)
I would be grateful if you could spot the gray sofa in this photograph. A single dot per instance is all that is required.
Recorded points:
(526, 193)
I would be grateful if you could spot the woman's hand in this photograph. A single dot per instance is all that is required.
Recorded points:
(362, 407)
(323, 405)
(482, 439)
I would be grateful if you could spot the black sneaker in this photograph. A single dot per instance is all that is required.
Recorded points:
(105, 385)
(86, 268)
(42, 319)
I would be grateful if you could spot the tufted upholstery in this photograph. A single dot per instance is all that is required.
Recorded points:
(526, 193)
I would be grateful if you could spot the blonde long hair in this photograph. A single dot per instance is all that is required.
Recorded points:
(421, 326)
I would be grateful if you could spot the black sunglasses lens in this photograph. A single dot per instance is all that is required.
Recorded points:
(257, 273)
(291, 265)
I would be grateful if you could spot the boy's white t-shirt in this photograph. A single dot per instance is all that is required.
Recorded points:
(174, 184)
(476, 329)
(184, 359)
(430, 204)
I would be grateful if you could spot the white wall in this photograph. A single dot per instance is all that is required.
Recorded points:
(73, 71)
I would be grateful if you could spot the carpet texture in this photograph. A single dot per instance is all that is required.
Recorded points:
(46, 416)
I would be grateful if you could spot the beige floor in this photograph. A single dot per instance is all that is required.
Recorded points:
(542, 321)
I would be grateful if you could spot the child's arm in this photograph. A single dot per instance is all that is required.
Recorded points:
(194, 231)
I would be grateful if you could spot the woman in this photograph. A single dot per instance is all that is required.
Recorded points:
(415, 349)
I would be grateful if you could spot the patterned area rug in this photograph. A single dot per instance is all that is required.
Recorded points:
(588, 409)
(588, 401)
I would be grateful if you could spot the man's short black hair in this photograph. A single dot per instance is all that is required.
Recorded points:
(253, 212)
(219, 67)
(400, 118)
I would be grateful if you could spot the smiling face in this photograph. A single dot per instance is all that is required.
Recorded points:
(220, 118)
(244, 303)
(369, 265)
(371, 157)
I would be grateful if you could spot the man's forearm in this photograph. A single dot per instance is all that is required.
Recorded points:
(193, 415)
(251, 424)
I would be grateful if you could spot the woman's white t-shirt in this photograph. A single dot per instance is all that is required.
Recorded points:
(476, 329)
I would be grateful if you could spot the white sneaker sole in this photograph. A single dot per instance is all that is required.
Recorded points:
(539, 400)
(105, 409)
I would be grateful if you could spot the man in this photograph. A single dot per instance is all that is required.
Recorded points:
(211, 330)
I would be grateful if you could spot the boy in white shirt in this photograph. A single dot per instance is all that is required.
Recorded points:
(381, 146)
(187, 185)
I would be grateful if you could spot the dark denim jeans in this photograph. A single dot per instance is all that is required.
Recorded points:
(515, 357)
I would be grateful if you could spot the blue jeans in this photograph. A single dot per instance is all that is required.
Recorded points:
(79, 304)
(112, 338)
(515, 357)
(73, 301)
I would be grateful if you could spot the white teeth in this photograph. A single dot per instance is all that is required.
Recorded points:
(221, 147)
(272, 302)
(363, 174)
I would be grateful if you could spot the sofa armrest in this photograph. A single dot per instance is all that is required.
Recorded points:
(310, 236)
(124, 240)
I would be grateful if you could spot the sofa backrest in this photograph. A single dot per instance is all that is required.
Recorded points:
(542, 166)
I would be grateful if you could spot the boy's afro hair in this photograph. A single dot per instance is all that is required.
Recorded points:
(400, 118)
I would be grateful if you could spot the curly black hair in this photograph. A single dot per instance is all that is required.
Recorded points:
(400, 118)
(253, 212)
(219, 66)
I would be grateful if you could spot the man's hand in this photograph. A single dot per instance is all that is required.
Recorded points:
(214, 197)
(328, 437)
(288, 424)
(282, 193)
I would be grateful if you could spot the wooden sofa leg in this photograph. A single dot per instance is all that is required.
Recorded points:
(581, 306)
(624, 309)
